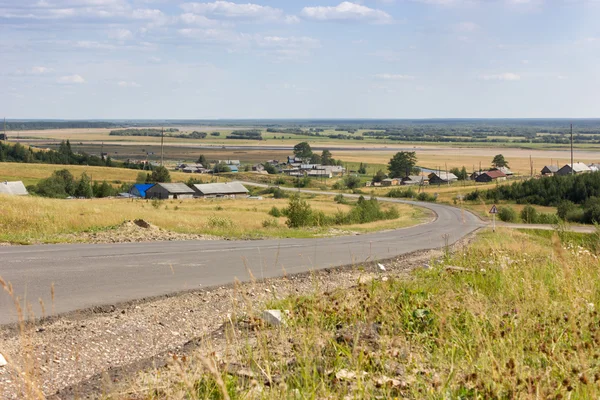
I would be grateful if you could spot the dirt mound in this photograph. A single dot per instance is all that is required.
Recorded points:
(133, 232)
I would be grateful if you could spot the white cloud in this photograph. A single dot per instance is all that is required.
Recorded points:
(393, 77)
(199, 20)
(40, 70)
(121, 34)
(71, 79)
(347, 11)
(126, 84)
(466, 27)
(247, 11)
(506, 76)
(89, 44)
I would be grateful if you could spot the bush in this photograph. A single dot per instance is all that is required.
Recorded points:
(219, 222)
(270, 223)
(591, 214)
(298, 212)
(351, 182)
(302, 182)
(399, 193)
(529, 215)
(564, 208)
(426, 197)
(274, 212)
(507, 214)
(547, 218)
(280, 181)
(340, 199)
(473, 196)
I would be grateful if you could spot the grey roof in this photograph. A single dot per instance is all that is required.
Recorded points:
(13, 188)
(445, 176)
(416, 178)
(174, 187)
(220, 188)
(551, 168)
(579, 167)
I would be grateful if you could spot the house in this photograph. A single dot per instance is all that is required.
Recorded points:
(594, 167)
(436, 178)
(390, 182)
(334, 170)
(549, 170)
(504, 170)
(319, 173)
(294, 160)
(16, 188)
(139, 189)
(475, 174)
(258, 168)
(183, 167)
(578, 168)
(414, 180)
(169, 191)
(230, 189)
(230, 162)
(491, 175)
(234, 168)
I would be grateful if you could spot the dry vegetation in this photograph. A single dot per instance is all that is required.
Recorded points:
(38, 220)
(513, 316)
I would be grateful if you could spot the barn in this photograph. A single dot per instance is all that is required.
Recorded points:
(490, 176)
(230, 189)
(165, 191)
(13, 188)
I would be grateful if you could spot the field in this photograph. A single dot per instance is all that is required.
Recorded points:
(495, 320)
(38, 220)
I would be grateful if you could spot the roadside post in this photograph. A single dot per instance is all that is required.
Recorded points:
(494, 211)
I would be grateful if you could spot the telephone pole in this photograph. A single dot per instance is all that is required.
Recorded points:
(572, 170)
(162, 145)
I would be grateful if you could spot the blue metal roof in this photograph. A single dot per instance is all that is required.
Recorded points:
(142, 187)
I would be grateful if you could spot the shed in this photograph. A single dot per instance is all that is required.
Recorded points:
(414, 180)
(492, 175)
(578, 168)
(16, 188)
(139, 189)
(549, 170)
(390, 182)
(230, 189)
(504, 170)
(442, 177)
(170, 191)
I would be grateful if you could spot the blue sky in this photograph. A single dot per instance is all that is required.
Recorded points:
(299, 59)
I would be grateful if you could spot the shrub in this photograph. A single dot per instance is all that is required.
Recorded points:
(156, 203)
(529, 215)
(400, 193)
(508, 214)
(280, 181)
(426, 197)
(219, 222)
(564, 208)
(340, 199)
(591, 214)
(274, 212)
(547, 218)
(473, 196)
(270, 223)
(298, 212)
(351, 182)
(302, 182)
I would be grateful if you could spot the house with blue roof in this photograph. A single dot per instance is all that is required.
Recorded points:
(139, 189)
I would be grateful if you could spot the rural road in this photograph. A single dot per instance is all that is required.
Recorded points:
(90, 275)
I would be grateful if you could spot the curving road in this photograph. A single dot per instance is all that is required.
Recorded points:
(90, 275)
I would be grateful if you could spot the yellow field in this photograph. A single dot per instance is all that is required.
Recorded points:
(31, 173)
(34, 219)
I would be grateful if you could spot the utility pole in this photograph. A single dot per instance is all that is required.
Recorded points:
(162, 144)
(5, 136)
(531, 165)
(102, 151)
(572, 170)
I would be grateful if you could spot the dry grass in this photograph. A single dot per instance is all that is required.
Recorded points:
(34, 220)
(514, 316)
(31, 173)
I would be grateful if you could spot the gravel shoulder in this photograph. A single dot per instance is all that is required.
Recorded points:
(90, 352)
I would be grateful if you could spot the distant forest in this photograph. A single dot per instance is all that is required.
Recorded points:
(554, 131)
(64, 155)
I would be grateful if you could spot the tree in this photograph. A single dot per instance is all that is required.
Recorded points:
(403, 164)
(202, 160)
(84, 187)
(159, 175)
(315, 159)
(142, 177)
(499, 162)
(221, 168)
(303, 151)
(379, 176)
(461, 174)
(351, 181)
(326, 157)
(271, 170)
(362, 169)
(298, 212)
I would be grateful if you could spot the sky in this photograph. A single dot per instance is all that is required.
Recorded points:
(177, 59)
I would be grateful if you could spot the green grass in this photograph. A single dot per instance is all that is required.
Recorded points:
(517, 319)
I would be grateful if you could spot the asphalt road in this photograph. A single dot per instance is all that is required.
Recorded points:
(89, 275)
